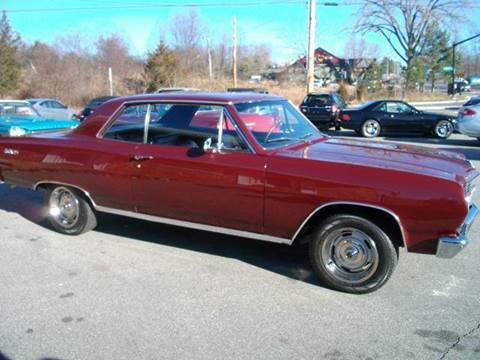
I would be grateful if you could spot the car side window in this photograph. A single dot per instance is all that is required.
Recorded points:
(129, 125)
(382, 107)
(398, 108)
(186, 125)
(45, 104)
(191, 125)
(57, 105)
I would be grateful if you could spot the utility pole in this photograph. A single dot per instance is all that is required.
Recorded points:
(234, 52)
(210, 68)
(311, 44)
(110, 80)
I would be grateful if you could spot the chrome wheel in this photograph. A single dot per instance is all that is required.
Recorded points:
(350, 255)
(64, 207)
(371, 128)
(443, 129)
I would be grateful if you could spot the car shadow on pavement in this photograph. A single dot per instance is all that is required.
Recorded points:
(3, 357)
(291, 262)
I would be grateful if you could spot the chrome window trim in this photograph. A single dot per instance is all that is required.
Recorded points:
(113, 117)
(333, 203)
(146, 123)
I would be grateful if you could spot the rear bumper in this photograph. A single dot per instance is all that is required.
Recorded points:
(449, 246)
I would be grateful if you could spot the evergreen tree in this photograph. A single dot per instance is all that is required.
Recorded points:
(436, 53)
(9, 64)
(161, 68)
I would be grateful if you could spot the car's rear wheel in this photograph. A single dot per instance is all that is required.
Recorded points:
(352, 254)
(443, 129)
(68, 211)
(371, 128)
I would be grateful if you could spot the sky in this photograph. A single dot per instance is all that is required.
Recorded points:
(279, 24)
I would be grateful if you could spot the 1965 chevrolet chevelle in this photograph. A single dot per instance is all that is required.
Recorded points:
(250, 165)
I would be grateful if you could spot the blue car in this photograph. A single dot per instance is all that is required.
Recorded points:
(19, 118)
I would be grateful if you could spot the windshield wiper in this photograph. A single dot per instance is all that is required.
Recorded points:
(307, 135)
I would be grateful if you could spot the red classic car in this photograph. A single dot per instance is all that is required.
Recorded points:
(251, 165)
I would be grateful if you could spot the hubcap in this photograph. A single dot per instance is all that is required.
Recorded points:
(64, 207)
(350, 255)
(444, 128)
(371, 128)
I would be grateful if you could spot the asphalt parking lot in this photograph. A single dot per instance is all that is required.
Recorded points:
(138, 290)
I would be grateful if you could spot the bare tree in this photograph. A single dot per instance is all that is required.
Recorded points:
(360, 49)
(403, 22)
(188, 36)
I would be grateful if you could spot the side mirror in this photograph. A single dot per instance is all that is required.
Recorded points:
(207, 146)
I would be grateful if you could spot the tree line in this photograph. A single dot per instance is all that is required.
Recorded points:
(75, 70)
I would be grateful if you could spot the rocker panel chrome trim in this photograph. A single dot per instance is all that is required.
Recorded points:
(211, 228)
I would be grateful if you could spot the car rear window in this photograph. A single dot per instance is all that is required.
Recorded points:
(319, 100)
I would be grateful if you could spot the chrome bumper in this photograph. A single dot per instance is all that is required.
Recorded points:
(449, 246)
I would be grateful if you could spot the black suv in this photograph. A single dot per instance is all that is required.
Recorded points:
(323, 110)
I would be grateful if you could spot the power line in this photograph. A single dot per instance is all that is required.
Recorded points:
(119, 6)
(152, 6)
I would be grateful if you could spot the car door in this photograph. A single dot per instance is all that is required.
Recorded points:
(44, 109)
(59, 111)
(399, 117)
(177, 179)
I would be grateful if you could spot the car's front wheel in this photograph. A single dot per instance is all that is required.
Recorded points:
(443, 129)
(371, 128)
(352, 254)
(68, 211)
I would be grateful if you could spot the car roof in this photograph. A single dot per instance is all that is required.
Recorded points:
(207, 97)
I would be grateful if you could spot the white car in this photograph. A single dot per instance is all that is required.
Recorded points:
(468, 120)
(51, 109)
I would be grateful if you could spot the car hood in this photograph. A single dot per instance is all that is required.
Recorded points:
(35, 123)
(407, 158)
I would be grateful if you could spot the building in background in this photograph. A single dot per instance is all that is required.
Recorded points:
(328, 69)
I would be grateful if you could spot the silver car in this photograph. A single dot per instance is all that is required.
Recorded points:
(51, 109)
(468, 120)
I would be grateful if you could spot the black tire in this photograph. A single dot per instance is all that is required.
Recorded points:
(69, 212)
(370, 128)
(358, 242)
(443, 129)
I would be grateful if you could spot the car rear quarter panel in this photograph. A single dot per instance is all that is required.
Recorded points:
(76, 160)
(427, 207)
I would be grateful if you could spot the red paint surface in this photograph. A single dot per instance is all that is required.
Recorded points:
(269, 192)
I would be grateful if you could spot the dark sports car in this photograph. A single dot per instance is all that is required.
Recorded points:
(381, 116)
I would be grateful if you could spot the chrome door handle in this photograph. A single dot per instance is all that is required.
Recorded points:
(141, 157)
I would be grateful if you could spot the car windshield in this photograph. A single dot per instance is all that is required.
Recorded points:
(276, 123)
(17, 109)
